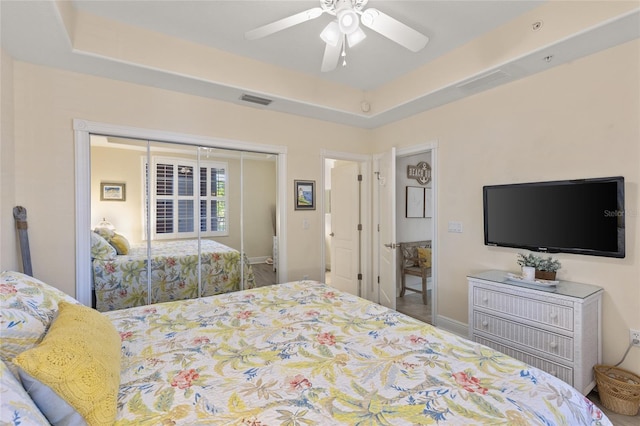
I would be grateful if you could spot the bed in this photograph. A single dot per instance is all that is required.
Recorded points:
(120, 280)
(299, 353)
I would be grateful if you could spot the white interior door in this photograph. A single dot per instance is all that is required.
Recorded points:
(344, 227)
(387, 223)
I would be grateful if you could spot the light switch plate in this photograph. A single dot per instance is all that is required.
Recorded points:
(455, 227)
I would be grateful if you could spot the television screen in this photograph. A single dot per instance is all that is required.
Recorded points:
(583, 216)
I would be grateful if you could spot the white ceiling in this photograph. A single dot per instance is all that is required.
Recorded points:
(34, 32)
(377, 60)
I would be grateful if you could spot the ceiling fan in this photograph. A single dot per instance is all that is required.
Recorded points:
(345, 29)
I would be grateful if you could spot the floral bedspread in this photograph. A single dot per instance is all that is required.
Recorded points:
(122, 282)
(306, 354)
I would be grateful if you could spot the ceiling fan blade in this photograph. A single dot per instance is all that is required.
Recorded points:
(331, 56)
(393, 29)
(283, 24)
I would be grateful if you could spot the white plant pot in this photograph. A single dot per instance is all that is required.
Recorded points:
(528, 273)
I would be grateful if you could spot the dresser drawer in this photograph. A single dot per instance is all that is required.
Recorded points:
(523, 307)
(560, 371)
(556, 330)
(524, 335)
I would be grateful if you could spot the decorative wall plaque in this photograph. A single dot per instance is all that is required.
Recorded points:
(421, 173)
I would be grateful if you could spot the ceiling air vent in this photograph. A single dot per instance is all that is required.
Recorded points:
(484, 81)
(255, 99)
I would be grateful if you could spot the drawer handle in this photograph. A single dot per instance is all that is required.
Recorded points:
(485, 324)
(553, 345)
(485, 300)
(553, 373)
(554, 315)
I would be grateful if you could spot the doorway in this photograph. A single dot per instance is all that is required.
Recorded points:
(389, 201)
(414, 234)
(345, 241)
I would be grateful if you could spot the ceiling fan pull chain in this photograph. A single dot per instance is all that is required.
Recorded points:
(344, 51)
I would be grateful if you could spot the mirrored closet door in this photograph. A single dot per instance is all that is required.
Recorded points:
(176, 221)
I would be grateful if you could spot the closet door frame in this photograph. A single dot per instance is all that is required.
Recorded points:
(83, 130)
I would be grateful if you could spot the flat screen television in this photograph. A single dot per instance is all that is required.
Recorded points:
(583, 216)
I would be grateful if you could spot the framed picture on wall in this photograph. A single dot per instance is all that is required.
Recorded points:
(415, 201)
(305, 194)
(113, 191)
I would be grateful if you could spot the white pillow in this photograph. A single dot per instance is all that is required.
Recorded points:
(27, 308)
(16, 407)
(101, 249)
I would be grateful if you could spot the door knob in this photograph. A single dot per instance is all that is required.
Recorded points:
(331, 234)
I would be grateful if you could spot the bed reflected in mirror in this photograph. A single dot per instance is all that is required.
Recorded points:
(196, 221)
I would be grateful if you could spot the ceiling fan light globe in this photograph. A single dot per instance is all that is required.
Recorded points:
(368, 16)
(348, 20)
(331, 34)
(356, 37)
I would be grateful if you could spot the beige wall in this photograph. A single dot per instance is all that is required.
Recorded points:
(8, 242)
(259, 198)
(46, 102)
(118, 166)
(577, 120)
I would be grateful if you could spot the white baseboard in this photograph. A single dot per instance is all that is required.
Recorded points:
(453, 326)
(259, 259)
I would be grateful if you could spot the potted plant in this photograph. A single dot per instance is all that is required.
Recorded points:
(529, 263)
(547, 268)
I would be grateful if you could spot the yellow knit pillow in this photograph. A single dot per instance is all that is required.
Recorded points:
(75, 370)
(424, 254)
(120, 243)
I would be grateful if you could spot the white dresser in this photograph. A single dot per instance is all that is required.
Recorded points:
(556, 329)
